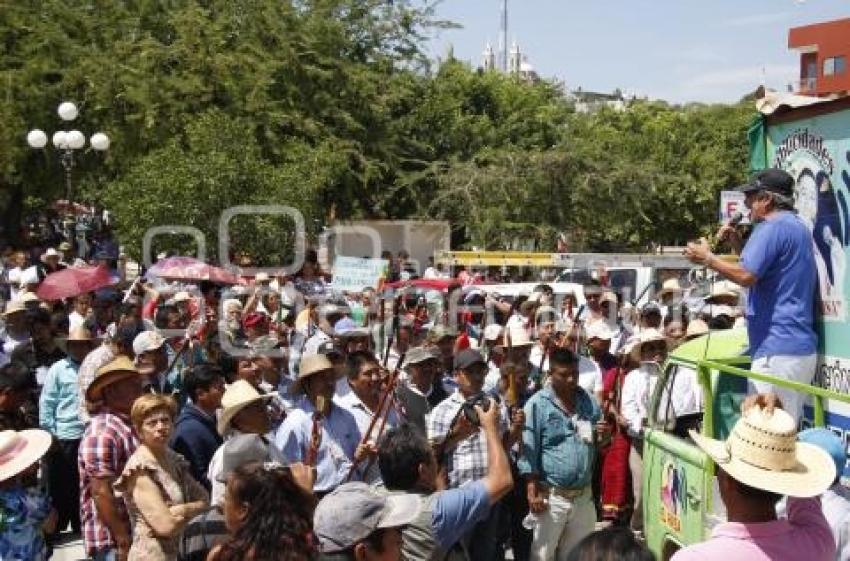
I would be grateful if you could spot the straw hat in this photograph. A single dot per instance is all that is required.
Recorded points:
(763, 452)
(646, 336)
(723, 289)
(21, 449)
(14, 306)
(599, 330)
(310, 365)
(696, 328)
(118, 369)
(77, 334)
(516, 337)
(671, 286)
(50, 253)
(238, 395)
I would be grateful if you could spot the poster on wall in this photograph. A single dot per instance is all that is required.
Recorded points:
(810, 157)
(816, 152)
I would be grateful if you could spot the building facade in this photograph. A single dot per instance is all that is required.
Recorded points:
(824, 52)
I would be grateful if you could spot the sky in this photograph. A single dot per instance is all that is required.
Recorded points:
(676, 50)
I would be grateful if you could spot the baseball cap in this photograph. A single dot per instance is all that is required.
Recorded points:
(354, 511)
(466, 358)
(147, 341)
(417, 355)
(772, 179)
(241, 449)
(829, 442)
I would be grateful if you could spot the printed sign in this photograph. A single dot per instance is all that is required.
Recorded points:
(353, 274)
(673, 490)
(730, 203)
(816, 156)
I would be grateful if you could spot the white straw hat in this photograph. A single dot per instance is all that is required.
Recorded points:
(238, 395)
(516, 337)
(763, 452)
(646, 336)
(20, 450)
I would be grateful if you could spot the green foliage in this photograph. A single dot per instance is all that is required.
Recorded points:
(331, 106)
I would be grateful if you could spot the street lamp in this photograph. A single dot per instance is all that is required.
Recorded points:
(67, 142)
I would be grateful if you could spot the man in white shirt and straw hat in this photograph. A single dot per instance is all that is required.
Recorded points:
(758, 464)
(243, 411)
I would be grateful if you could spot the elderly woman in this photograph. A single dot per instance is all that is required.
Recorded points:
(156, 484)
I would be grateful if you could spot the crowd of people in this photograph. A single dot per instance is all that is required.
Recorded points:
(282, 420)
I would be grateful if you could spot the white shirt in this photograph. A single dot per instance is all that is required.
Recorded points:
(589, 375)
(363, 415)
(75, 320)
(216, 468)
(14, 277)
(639, 385)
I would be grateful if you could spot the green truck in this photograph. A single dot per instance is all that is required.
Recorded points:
(680, 498)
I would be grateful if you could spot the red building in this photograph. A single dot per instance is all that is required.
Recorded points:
(824, 52)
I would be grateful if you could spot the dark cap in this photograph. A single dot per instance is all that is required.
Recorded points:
(466, 358)
(773, 180)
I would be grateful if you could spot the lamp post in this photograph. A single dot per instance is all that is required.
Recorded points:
(67, 142)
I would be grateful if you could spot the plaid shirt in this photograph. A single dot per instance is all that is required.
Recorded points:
(468, 461)
(107, 444)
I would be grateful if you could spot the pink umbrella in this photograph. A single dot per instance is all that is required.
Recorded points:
(71, 282)
(190, 269)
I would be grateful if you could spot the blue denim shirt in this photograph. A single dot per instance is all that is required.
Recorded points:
(58, 408)
(340, 437)
(551, 446)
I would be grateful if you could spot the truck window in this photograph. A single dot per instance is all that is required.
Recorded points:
(679, 407)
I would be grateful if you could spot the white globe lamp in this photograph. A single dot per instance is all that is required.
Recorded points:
(37, 139)
(60, 139)
(67, 111)
(99, 141)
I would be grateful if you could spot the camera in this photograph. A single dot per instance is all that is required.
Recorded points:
(468, 407)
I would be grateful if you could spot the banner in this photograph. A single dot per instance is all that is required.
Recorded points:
(353, 274)
(730, 203)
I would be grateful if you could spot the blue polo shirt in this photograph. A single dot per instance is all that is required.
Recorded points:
(780, 305)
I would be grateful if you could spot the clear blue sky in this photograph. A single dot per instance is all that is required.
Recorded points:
(678, 50)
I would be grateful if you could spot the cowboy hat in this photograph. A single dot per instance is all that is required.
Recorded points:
(14, 306)
(516, 337)
(723, 289)
(114, 371)
(671, 286)
(599, 330)
(77, 334)
(20, 450)
(310, 365)
(762, 451)
(50, 253)
(696, 328)
(646, 336)
(238, 395)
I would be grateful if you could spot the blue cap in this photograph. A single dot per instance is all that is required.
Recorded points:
(829, 442)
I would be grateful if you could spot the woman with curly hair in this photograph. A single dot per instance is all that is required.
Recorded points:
(268, 514)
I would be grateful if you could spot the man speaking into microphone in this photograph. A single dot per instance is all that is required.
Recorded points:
(778, 266)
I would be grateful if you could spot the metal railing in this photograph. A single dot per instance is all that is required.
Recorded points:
(804, 86)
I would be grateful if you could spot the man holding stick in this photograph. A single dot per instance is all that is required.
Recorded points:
(339, 438)
(366, 402)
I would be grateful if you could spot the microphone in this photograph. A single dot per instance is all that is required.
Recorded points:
(733, 221)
